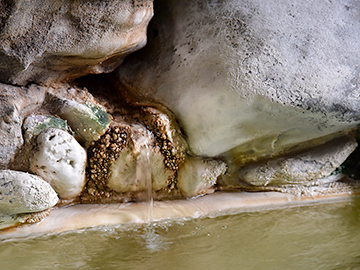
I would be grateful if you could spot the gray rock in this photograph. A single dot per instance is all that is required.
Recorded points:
(197, 176)
(24, 193)
(302, 169)
(60, 160)
(251, 78)
(45, 41)
(15, 102)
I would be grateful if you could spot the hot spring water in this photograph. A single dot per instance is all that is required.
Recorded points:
(321, 236)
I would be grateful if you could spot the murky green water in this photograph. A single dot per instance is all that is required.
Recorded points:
(323, 236)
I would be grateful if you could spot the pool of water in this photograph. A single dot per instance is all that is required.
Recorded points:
(322, 236)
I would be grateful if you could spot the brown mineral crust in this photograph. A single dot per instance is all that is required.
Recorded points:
(36, 217)
(173, 149)
(101, 154)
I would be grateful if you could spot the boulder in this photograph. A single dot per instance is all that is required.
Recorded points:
(47, 41)
(24, 193)
(248, 78)
(60, 160)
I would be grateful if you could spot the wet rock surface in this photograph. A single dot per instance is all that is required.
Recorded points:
(129, 153)
(198, 176)
(88, 121)
(51, 41)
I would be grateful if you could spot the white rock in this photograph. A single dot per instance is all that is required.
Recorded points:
(197, 176)
(24, 193)
(60, 160)
(302, 168)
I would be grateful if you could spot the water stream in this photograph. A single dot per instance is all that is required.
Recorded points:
(143, 175)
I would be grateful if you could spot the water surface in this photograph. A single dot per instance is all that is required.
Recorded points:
(322, 236)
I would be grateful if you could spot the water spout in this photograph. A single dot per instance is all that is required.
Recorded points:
(143, 174)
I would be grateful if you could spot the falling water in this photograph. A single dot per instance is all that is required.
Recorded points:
(143, 174)
(148, 184)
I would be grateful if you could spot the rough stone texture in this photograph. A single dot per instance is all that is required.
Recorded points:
(45, 41)
(123, 160)
(139, 166)
(24, 193)
(251, 77)
(196, 176)
(300, 169)
(60, 160)
(15, 103)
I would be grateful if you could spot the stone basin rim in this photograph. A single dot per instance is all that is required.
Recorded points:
(91, 216)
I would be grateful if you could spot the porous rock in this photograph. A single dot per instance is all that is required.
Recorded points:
(140, 166)
(24, 193)
(8, 221)
(46, 41)
(135, 157)
(60, 160)
(250, 78)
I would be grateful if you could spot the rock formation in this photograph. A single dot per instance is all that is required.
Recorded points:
(227, 94)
